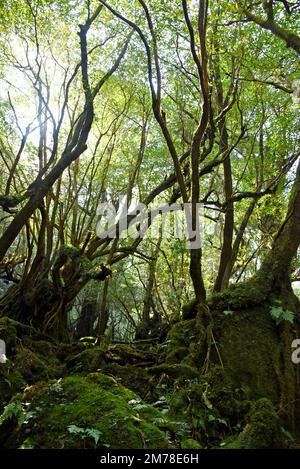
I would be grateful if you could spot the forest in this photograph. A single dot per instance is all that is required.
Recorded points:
(149, 224)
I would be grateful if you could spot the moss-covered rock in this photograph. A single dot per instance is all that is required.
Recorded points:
(124, 354)
(14, 332)
(189, 443)
(8, 333)
(35, 367)
(87, 361)
(175, 372)
(30, 358)
(137, 379)
(82, 412)
(176, 355)
(11, 382)
(263, 429)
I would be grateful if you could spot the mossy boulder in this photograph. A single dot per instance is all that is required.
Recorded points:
(136, 378)
(124, 354)
(224, 395)
(82, 412)
(86, 361)
(263, 429)
(14, 332)
(8, 333)
(175, 372)
(35, 367)
(30, 358)
(190, 443)
(179, 340)
(11, 382)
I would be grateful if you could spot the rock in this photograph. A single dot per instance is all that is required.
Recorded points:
(82, 412)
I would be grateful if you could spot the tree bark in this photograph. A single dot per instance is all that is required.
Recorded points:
(275, 269)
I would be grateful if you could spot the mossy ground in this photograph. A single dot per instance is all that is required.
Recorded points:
(96, 403)
(157, 396)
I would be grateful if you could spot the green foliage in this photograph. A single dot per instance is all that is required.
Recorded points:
(65, 407)
(279, 313)
(12, 410)
(228, 312)
(262, 430)
(85, 433)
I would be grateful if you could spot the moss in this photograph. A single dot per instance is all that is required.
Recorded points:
(179, 371)
(224, 395)
(8, 333)
(263, 430)
(95, 402)
(69, 251)
(189, 443)
(189, 310)
(135, 378)
(182, 333)
(176, 355)
(250, 349)
(34, 367)
(186, 339)
(11, 382)
(12, 332)
(127, 354)
(87, 361)
(242, 295)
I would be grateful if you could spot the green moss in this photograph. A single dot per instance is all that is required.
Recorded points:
(250, 349)
(69, 251)
(87, 361)
(182, 333)
(176, 355)
(179, 371)
(189, 443)
(35, 367)
(94, 402)
(186, 340)
(224, 395)
(189, 310)
(137, 379)
(12, 331)
(8, 333)
(242, 295)
(124, 354)
(263, 430)
(11, 382)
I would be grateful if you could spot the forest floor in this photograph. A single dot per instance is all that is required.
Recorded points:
(175, 394)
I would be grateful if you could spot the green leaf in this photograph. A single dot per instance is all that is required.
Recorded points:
(94, 433)
(75, 429)
(228, 312)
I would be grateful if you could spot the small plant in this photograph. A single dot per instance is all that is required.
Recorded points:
(12, 410)
(280, 314)
(17, 411)
(27, 444)
(85, 433)
(228, 312)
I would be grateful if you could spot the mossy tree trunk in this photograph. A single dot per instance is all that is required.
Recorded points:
(275, 270)
(45, 296)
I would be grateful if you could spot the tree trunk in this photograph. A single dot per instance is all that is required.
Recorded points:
(275, 269)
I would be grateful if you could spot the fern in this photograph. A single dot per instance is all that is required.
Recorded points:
(280, 314)
(12, 410)
(93, 433)
(85, 432)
